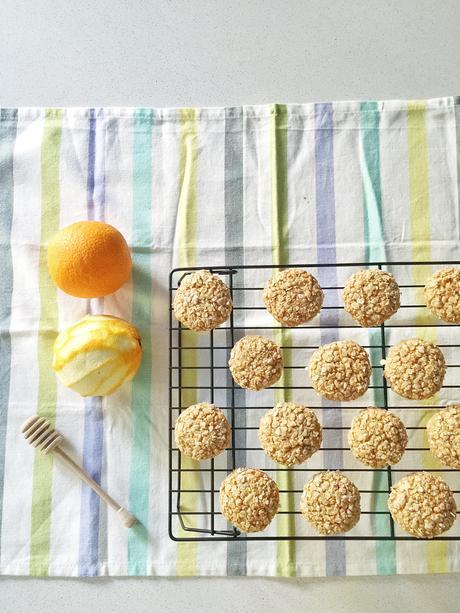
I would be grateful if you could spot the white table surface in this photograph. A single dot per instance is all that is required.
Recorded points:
(213, 53)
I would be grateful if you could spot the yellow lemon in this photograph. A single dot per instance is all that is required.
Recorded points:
(97, 354)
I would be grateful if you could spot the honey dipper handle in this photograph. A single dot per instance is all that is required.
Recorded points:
(126, 518)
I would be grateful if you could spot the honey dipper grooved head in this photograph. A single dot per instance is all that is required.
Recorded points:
(39, 433)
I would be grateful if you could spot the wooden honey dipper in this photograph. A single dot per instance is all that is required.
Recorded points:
(39, 433)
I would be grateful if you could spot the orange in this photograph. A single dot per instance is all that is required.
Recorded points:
(89, 259)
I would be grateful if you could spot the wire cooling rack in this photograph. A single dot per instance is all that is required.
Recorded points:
(198, 370)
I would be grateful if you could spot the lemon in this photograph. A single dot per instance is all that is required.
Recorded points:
(97, 354)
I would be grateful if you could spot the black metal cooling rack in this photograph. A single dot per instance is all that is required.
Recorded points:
(198, 372)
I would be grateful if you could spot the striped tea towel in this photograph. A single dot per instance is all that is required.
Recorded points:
(346, 181)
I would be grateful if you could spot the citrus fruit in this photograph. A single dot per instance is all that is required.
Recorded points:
(97, 354)
(89, 259)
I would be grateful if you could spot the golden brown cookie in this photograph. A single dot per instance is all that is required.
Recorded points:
(202, 431)
(202, 301)
(249, 499)
(443, 430)
(256, 362)
(290, 433)
(415, 369)
(340, 371)
(371, 297)
(293, 296)
(331, 503)
(377, 437)
(442, 294)
(423, 505)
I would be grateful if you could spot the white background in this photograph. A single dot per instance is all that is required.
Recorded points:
(212, 53)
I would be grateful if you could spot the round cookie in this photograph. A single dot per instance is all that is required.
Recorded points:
(331, 503)
(443, 430)
(340, 371)
(371, 297)
(202, 431)
(293, 296)
(256, 362)
(415, 369)
(423, 505)
(290, 433)
(202, 301)
(377, 437)
(249, 499)
(442, 294)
